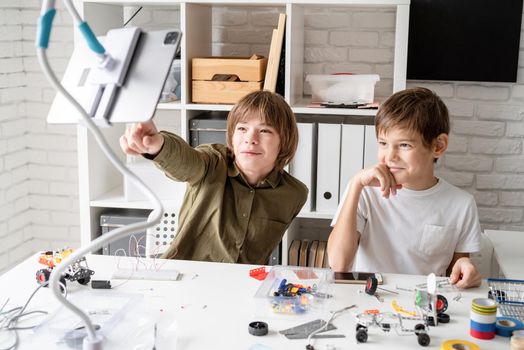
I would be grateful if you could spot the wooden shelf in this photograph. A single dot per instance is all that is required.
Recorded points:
(195, 20)
(302, 108)
(208, 107)
(115, 199)
(315, 215)
(175, 105)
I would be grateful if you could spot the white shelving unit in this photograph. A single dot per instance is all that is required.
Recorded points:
(101, 185)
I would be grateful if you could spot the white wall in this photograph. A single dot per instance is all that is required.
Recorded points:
(38, 166)
(38, 171)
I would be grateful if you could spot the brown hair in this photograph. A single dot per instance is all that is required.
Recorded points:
(417, 109)
(275, 112)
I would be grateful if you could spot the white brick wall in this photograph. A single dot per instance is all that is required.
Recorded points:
(34, 200)
(38, 182)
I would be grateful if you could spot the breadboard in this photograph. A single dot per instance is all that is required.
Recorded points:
(153, 275)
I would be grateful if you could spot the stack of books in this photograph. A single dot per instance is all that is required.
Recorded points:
(308, 253)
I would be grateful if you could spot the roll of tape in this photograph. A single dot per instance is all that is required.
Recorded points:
(482, 318)
(455, 344)
(506, 325)
(483, 311)
(482, 335)
(484, 303)
(483, 327)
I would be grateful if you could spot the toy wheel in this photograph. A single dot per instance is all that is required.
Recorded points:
(42, 276)
(84, 280)
(423, 339)
(442, 303)
(362, 336)
(419, 329)
(359, 326)
(371, 285)
(443, 318)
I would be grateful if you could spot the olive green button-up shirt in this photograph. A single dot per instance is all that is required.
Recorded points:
(222, 217)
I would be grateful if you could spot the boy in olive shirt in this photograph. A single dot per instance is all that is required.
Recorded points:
(239, 200)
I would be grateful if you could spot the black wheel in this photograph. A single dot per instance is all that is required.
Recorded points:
(42, 276)
(362, 336)
(443, 318)
(84, 280)
(442, 303)
(371, 285)
(419, 328)
(423, 339)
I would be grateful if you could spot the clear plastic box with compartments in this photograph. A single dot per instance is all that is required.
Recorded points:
(294, 290)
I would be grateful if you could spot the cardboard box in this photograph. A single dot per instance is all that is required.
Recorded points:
(250, 73)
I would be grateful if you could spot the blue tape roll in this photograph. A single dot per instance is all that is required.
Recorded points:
(506, 325)
(482, 327)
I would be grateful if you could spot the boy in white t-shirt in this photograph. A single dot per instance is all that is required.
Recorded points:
(397, 216)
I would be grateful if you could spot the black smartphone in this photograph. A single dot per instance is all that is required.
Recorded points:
(357, 277)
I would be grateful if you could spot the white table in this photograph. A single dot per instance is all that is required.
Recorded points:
(508, 247)
(212, 305)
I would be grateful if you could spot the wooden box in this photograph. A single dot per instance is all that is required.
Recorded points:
(206, 89)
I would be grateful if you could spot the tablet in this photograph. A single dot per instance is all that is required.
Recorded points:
(137, 98)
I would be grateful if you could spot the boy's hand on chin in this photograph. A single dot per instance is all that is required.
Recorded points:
(380, 176)
(464, 274)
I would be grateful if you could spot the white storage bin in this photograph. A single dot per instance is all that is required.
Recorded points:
(342, 88)
(162, 186)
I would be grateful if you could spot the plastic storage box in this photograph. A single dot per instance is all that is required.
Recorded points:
(342, 88)
(122, 246)
(294, 290)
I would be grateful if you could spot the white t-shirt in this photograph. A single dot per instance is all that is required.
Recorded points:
(414, 232)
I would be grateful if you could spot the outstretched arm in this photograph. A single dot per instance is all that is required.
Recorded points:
(462, 272)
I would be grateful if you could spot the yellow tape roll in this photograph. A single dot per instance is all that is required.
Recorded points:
(457, 344)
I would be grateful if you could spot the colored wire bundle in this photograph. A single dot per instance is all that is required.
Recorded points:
(9, 319)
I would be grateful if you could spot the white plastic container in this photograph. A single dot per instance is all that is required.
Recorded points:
(342, 88)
